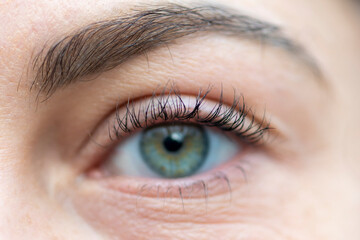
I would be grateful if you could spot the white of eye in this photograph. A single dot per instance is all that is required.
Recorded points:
(127, 158)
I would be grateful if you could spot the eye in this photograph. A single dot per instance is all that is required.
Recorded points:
(172, 150)
(171, 136)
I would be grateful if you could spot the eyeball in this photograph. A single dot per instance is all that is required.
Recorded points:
(174, 150)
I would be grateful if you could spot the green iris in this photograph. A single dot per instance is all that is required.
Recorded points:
(174, 151)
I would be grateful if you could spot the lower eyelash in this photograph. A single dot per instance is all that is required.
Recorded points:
(171, 107)
(181, 193)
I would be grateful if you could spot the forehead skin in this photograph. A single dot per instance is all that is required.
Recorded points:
(328, 29)
(41, 22)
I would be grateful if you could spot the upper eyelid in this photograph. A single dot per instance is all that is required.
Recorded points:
(171, 106)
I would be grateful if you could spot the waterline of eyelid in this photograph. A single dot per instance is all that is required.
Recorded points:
(181, 198)
(182, 194)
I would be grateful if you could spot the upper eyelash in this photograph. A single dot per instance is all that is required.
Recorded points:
(161, 108)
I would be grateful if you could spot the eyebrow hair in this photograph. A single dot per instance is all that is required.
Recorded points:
(104, 45)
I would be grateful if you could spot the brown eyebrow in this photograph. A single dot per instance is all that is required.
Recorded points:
(103, 45)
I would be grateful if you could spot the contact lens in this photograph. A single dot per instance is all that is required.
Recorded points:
(174, 151)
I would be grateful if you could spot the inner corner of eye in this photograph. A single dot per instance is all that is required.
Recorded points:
(175, 150)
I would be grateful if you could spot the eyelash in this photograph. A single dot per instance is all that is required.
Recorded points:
(160, 109)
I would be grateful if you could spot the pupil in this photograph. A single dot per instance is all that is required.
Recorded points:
(173, 143)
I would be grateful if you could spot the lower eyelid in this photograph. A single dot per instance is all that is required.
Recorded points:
(219, 181)
(123, 204)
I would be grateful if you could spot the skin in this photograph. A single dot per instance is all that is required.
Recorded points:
(302, 185)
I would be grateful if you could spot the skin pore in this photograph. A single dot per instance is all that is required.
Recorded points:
(302, 183)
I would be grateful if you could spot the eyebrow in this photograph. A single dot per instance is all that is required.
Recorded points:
(104, 45)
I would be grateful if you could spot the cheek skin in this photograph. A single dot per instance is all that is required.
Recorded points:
(256, 209)
(297, 208)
